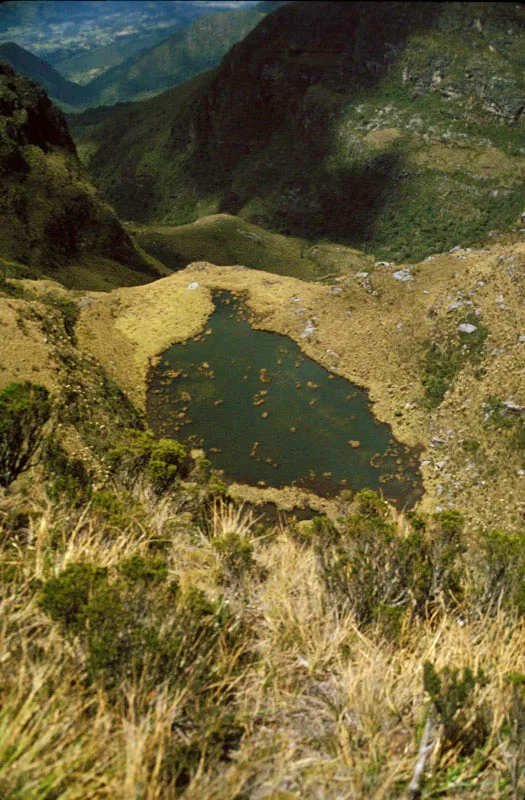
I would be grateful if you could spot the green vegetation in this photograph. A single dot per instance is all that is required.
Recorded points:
(502, 416)
(503, 555)
(452, 697)
(412, 156)
(368, 567)
(162, 460)
(51, 217)
(68, 479)
(24, 410)
(224, 240)
(444, 359)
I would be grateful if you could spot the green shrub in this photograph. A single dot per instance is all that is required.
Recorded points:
(235, 553)
(499, 417)
(68, 597)
(162, 461)
(24, 410)
(465, 727)
(443, 361)
(137, 622)
(67, 478)
(378, 572)
(151, 571)
(503, 569)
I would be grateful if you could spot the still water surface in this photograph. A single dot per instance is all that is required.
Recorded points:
(268, 415)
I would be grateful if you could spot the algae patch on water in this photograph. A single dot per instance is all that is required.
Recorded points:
(267, 415)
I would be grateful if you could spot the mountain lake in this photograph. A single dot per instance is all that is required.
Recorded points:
(267, 415)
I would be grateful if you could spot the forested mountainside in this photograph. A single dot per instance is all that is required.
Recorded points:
(396, 127)
(52, 218)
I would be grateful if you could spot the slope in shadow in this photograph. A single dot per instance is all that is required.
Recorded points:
(282, 92)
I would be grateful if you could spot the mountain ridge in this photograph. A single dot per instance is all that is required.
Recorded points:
(55, 85)
(173, 60)
(341, 120)
(52, 219)
(192, 49)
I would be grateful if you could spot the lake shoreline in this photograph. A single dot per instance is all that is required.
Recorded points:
(369, 328)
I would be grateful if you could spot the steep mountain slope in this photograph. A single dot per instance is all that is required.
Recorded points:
(52, 218)
(395, 127)
(194, 49)
(137, 152)
(59, 89)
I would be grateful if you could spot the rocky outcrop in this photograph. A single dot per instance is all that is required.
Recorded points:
(50, 213)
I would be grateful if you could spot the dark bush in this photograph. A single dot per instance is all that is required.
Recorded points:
(67, 478)
(378, 572)
(24, 410)
(452, 694)
(502, 567)
(139, 623)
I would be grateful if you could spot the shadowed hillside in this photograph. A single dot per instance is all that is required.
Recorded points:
(52, 219)
(395, 127)
(67, 94)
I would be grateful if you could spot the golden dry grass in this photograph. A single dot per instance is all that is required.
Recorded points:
(327, 709)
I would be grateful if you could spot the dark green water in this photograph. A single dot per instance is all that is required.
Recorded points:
(213, 391)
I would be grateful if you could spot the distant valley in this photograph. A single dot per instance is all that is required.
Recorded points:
(140, 68)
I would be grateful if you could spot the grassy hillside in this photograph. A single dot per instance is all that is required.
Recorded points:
(396, 128)
(194, 49)
(52, 219)
(223, 239)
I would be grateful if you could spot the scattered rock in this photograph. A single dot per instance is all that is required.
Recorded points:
(402, 275)
(192, 285)
(510, 405)
(466, 327)
(308, 330)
